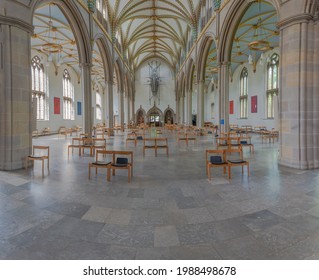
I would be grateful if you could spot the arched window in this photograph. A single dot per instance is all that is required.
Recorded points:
(68, 96)
(243, 98)
(272, 83)
(39, 88)
(98, 105)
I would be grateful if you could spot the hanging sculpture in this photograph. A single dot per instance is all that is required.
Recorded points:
(154, 81)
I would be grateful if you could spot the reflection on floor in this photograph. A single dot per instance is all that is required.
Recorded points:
(169, 210)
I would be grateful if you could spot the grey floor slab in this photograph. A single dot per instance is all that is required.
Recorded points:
(170, 210)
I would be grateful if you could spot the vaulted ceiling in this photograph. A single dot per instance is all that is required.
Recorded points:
(148, 29)
(153, 28)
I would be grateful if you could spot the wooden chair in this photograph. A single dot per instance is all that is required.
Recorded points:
(245, 141)
(76, 144)
(41, 153)
(100, 163)
(222, 142)
(98, 144)
(237, 161)
(131, 137)
(215, 158)
(149, 143)
(161, 143)
(87, 144)
(121, 160)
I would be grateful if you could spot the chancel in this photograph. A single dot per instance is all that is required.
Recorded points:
(130, 104)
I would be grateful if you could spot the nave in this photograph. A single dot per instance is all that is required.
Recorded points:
(170, 210)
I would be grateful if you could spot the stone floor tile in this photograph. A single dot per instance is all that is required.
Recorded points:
(165, 236)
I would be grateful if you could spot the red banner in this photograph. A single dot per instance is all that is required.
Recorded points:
(231, 107)
(56, 105)
(254, 104)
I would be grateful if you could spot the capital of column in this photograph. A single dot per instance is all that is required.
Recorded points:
(86, 65)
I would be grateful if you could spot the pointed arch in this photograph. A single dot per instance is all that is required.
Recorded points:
(70, 10)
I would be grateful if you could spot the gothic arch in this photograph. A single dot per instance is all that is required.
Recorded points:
(189, 74)
(102, 44)
(141, 116)
(203, 54)
(169, 115)
(157, 110)
(70, 10)
(230, 24)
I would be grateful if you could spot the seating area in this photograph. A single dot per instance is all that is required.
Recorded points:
(176, 191)
(224, 158)
(112, 161)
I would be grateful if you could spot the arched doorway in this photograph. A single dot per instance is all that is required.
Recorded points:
(169, 116)
(155, 116)
(140, 116)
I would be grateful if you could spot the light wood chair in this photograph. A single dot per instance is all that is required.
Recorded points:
(149, 143)
(41, 153)
(161, 143)
(215, 158)
(77, 143)
(98, 144)
(100, 163)
(131, 137)
(237, 161)
(122, 160)
(88, 143)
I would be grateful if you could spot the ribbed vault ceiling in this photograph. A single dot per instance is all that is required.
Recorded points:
(150, 29)
(153, 28)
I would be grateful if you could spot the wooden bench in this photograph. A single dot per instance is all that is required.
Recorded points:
(112, 161)
(215, 158)
(155, 144)
(186, 136)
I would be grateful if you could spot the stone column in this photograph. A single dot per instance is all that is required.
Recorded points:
(223, 87)
(104, 104)
(182, 120)
(200, 103)
(15, 93)
(177, 117)
(121, 108)
(298, 93)
(87, 97)
(128, 110)
(109, 109)
(133, 110)
(189, 107)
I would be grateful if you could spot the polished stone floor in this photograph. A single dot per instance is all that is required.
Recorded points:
(169, 210)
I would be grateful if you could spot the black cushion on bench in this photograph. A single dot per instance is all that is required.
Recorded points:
(216, 160)
(120, 162)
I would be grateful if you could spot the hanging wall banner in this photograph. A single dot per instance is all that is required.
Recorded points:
(79, 108)
(56, 102)
(254, 104)
(231, 107)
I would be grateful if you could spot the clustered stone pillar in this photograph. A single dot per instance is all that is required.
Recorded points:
(223, 97)
(182, 113)
(200, 103)
(87, 91)
(189, 114)
(15, 93)
(298, 93)
(109, 110)
(121, 107)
